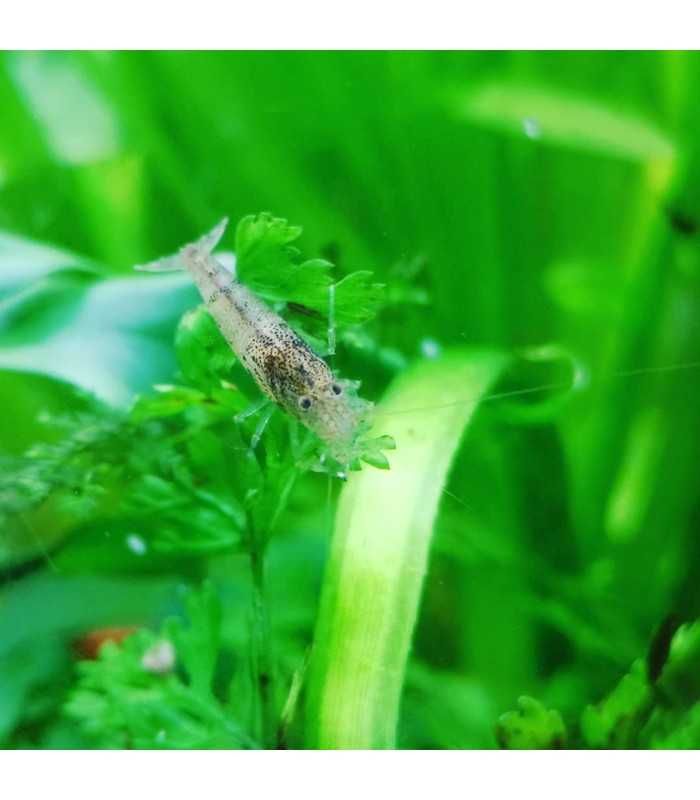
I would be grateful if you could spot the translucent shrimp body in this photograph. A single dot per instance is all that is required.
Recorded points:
(283, 365)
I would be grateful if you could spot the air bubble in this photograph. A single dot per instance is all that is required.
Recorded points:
(136, 544)
(429, 348)
(531, 128)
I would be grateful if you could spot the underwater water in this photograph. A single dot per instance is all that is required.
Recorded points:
(502, 249)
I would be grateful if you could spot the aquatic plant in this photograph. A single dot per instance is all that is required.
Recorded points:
(520, 571)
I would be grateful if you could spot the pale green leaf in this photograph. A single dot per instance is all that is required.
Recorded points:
(560, 117)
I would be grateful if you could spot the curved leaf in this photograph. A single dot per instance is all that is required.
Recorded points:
(110, 337)
(380, 552)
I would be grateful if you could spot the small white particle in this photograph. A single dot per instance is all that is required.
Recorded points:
(531, 128)
(136, 544)
(161, 736)
(429, 348)
(160, 658)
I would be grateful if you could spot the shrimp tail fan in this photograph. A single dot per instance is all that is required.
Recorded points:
(174, 263)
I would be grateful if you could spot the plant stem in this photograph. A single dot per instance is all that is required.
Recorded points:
(261, 639)
(380, 551)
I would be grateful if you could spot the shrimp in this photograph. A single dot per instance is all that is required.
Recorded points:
(285, 368)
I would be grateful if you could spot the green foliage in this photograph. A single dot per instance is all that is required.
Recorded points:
(616, 721)
(161, 478)
(128, 471)
(636, 713)
(164, 466)
(268, 262)
(32, 683)
(680, 678)
(202, 354)
(133, 695)
(544, 205)
(63, 481)
(531, 727)
(198, 643)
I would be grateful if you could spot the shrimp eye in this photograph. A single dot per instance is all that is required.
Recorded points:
(336, 389)
(305, 403)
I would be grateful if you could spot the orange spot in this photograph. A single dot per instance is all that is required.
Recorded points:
(88, 646)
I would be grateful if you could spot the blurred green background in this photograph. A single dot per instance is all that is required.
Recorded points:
(513, 200)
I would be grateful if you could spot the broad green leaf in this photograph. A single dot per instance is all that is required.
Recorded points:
(550, 115)
(109, 337)
(78, 122)
(23, 261)
(379, 557)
